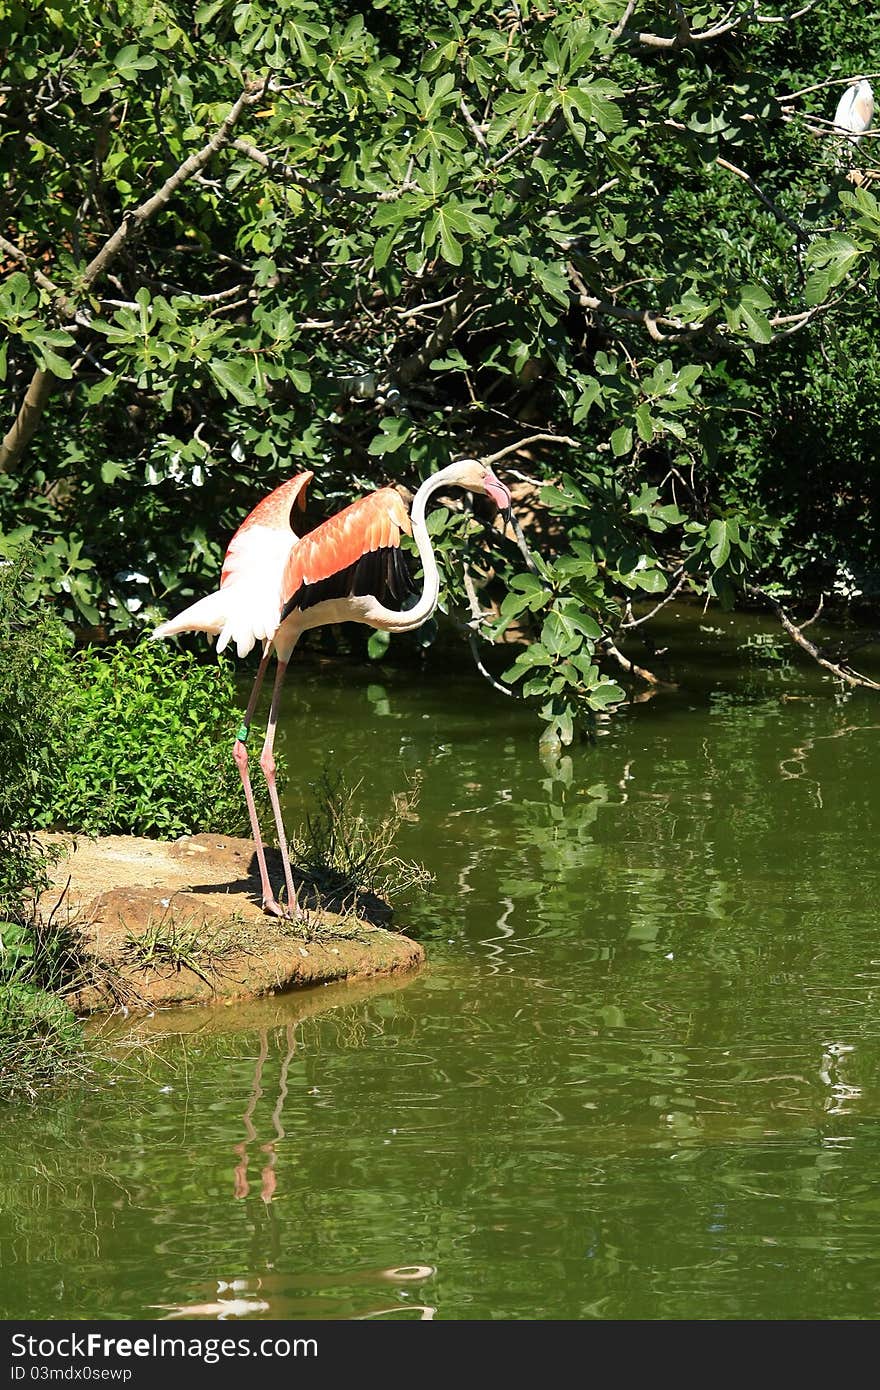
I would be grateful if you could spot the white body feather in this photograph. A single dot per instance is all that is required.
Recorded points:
(855, 110)
(247, 606)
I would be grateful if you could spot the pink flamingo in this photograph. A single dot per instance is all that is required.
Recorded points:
(275, 585)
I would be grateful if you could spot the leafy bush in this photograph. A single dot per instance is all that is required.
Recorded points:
(150, 745)
(33, 652)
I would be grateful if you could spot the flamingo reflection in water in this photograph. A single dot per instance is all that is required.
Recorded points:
(278, 1292)
(268, 1177)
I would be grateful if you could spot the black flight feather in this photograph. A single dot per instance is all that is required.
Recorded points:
(383, 573)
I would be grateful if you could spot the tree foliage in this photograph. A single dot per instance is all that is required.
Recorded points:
(612, 243)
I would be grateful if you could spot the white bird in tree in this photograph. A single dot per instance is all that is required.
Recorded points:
(855, 110)
(275, 585)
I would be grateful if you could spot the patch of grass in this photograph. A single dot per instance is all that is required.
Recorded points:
(179, 943)
(41, 1042)
(343, 854)
(316, 926)
(40, 954)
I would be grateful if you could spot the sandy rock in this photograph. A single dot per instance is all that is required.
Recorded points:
(176, 923)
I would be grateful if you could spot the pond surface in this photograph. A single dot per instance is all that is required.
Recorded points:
(640, 1076)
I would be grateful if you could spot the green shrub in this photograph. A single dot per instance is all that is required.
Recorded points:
(150, 747)
(33, 652)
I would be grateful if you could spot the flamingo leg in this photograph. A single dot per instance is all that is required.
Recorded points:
(240, 754)
(267, 763)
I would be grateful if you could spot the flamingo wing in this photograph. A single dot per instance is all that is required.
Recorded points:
(247, 606)
(355, 552)
(253, 570)
(271, 521)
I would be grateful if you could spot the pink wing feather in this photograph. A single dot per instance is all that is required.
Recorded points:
(247, 606)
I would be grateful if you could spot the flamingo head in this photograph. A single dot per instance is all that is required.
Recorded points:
(477, 477)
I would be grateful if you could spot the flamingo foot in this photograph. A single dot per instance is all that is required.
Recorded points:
(273, 908)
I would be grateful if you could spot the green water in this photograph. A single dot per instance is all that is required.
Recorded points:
(639, 1077)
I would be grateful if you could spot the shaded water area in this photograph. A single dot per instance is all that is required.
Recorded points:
(640, 1076)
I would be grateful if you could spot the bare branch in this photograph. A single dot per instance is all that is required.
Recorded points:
(632, 669)
(840, 672)
(472, 125)
(684, 36)
(648, 318)
(19, 436)
(651, 320)
(681, 578)
(830, 82)
(137, 217)
(418, 309)
(473, 627)
(817, 614)
(620, 27)
(530, 439)
(786, 18)
(759, 193)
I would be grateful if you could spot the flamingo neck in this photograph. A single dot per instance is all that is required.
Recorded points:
(411, 618)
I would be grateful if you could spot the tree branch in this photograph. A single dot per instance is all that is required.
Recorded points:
(134, 220)
(632, 669)
(768, 202)
(19, 435)
(472, 125)
(840, 672)
(648, 318)
(443, 333)
(685, 37)
(280, 170)
(830, 82)
(651, 320)
(620, 27)
(473, 627)
(680, 577)
(530, 439)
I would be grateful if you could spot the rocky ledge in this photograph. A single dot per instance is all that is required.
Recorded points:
(160, 924)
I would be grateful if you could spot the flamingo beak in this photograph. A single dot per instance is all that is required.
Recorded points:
(499, 493)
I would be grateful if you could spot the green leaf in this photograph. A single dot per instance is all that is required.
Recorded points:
(831, 258)
(449, 245)
(232, 378)
(377, 646)
(58, 366)
(621, 441)
(719, 541)
(644, 423)
(651, 581)
(394, 432)
(608, 693)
